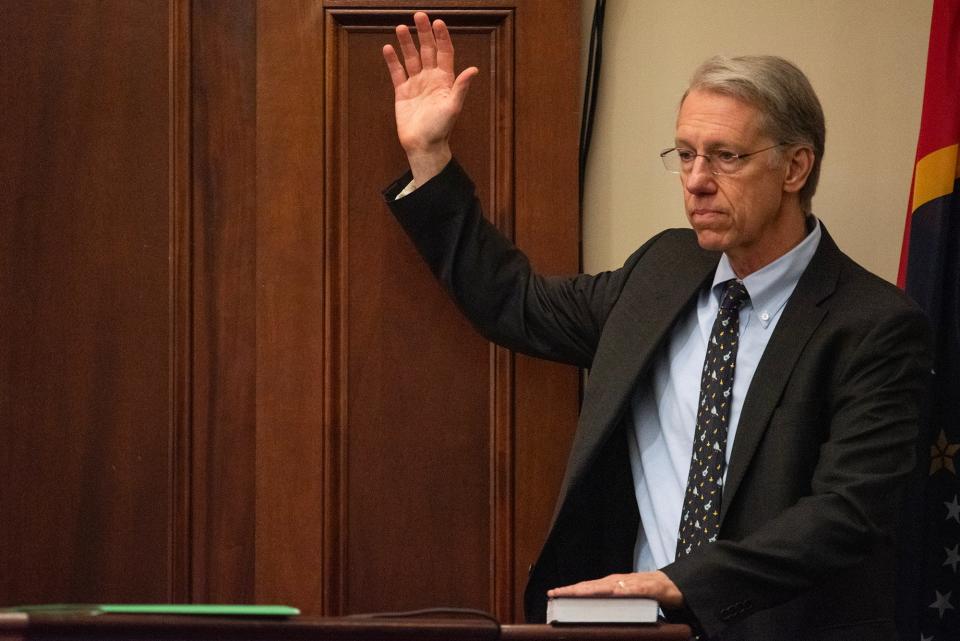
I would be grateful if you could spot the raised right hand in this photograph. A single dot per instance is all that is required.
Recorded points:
(427, 96)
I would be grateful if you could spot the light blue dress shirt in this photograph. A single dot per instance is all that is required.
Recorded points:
(664, 404)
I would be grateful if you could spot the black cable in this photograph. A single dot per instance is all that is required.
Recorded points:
(594, 60)
(464, 612)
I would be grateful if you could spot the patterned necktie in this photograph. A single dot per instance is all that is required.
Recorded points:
(700, 518)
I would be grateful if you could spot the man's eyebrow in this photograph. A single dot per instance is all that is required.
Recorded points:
(710, 146)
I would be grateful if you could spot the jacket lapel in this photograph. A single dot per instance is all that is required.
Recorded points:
(644, 316)
(801, 317)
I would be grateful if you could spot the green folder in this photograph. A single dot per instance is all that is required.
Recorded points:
(190, 609)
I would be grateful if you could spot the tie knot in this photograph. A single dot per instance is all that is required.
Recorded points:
(734, 294)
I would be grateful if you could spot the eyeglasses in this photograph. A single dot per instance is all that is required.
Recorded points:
(678, 160)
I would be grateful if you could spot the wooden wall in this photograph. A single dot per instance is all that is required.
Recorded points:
(87, 328)
(224, 374)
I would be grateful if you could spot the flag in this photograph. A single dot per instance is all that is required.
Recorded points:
(930, 274)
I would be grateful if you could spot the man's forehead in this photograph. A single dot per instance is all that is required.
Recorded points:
(713, 116)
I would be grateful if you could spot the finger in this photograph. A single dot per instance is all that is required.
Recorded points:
(598, 587)
(411, 59)
(461, 85)
(397, 74)
(428, 45)
(444, 46)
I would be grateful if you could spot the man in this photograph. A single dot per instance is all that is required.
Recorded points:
(749, 421)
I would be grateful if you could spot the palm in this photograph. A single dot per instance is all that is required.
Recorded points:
(425, 108)
(428, 97)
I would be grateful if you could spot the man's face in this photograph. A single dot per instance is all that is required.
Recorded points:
(742, 213)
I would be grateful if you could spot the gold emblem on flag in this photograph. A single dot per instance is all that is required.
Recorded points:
(941, 455)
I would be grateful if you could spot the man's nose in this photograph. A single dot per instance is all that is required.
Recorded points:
(700, 179)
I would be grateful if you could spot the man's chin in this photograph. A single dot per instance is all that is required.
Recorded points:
(711, 240)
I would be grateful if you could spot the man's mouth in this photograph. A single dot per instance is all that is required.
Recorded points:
(704, 213)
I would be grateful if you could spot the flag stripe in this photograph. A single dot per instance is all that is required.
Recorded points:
(940, 124)
(934, 175)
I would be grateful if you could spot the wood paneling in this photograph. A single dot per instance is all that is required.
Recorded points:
(224, 89)
(180, 296)
(290, 293)
(548, 229)
(85, 328)
(449, 452)
(225, 375)
(413, 401)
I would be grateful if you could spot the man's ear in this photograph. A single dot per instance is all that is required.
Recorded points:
(799, 164)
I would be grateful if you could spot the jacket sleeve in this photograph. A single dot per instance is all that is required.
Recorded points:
(491, 280)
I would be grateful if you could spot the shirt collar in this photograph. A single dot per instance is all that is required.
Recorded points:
(771, 286)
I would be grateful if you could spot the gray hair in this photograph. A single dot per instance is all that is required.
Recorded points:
(781, 92)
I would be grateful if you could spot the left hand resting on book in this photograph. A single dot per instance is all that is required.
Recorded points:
(654, 585)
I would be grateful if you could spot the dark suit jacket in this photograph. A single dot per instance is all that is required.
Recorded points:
(824, 445)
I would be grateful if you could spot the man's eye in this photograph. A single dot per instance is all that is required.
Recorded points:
(686, 155)
(725, 156)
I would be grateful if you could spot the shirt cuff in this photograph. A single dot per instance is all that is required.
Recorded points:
(406, 191)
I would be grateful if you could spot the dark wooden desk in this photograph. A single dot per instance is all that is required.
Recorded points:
(658, 632)
(111, 627)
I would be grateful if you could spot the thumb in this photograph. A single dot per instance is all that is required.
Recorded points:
(462, 84)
